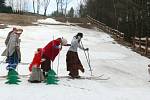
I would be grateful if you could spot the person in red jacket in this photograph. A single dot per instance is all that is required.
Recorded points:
(50, 51)
(36, 75)
(36, 62)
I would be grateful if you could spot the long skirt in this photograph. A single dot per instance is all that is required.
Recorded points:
(73, 64)
(12, 61)
(36, 75)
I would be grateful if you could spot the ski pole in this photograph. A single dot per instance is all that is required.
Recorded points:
(87, 59)
(52, 50)
(58, 62)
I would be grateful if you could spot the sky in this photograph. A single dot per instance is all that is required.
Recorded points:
(73, 3)
(52, 5)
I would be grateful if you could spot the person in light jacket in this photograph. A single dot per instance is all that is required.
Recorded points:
(14, 30)
(6, 42)
(13, 50)
(72, 60)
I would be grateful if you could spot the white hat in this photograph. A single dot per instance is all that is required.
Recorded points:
(63, 41)
(19, 31)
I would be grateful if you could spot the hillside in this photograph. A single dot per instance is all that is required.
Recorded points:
(16, 19)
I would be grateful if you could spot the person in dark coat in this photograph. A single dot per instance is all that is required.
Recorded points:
(72, 59)
(50, 51)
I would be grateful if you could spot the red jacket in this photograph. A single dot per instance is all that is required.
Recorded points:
(51, 50)
(36, 60)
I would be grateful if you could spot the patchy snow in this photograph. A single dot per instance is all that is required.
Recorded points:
(127, 69)
(49, 21)
(2, 24)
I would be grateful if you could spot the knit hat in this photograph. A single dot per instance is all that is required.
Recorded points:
(63, 41)
(80, 34)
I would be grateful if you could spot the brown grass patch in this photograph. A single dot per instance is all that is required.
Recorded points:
(15, 19)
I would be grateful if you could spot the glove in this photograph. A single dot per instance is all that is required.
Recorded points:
(42, 60)
(86, 49)
(58, 47)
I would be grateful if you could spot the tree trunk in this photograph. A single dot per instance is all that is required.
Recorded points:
(38, 6)
(57, 7)
(34, 6)
(45, 10)
(66, 8)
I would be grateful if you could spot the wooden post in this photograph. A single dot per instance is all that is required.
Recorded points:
(122, 36)
(119, 35)
(140, 44)
(146, 46)
(116, 32)
(134, 42)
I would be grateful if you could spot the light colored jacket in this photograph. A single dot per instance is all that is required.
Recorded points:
(75, 44)
(8, 37)
(4, 53)
(13, 44)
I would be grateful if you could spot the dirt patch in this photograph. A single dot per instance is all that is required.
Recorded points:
(15, 19)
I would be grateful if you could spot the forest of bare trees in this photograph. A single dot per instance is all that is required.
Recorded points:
(37, 5)
(129, 16)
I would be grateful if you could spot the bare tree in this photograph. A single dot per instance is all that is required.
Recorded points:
(20, 5)
(33, 5)
(63, 5)
(11, 3)
(38, 6)
(57, 2)
(46, 4)
(17, 5)
(25, 5)
(115, 14)
(66, 5)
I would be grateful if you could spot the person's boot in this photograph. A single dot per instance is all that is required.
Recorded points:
(78, 76)
(71, 76)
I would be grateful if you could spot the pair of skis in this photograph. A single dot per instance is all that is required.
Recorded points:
(101, 77)
(21, 63)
